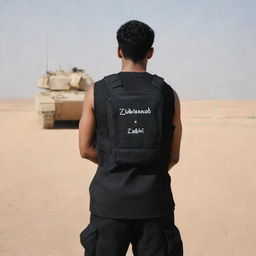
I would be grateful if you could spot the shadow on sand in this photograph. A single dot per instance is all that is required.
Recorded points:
(66, 125)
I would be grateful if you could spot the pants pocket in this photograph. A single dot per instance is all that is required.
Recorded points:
(174, 241)
(88, 239)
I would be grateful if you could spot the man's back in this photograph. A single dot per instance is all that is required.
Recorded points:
(130, 191)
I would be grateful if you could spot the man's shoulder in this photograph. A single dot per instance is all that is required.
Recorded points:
(168, 90)
(166, 84)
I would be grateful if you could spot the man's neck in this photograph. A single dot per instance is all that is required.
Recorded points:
(130, 66)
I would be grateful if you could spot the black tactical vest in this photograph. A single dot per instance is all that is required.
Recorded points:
(134, 132)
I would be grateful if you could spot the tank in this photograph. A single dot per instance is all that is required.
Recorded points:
(63, 96)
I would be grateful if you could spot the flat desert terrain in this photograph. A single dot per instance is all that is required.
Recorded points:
(44, 182)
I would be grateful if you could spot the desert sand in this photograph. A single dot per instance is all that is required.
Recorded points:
(44, 181)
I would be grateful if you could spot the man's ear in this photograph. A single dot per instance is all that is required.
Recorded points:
(150, 53)
(119, 53)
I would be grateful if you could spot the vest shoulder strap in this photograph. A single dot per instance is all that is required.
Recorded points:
(114, 82)
(157, 81)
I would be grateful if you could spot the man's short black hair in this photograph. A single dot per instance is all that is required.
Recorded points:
(135, 38)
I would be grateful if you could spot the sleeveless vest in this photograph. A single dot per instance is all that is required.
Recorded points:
(132, 180)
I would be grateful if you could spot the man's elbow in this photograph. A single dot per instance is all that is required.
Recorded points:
(175, 160)
(84, 154)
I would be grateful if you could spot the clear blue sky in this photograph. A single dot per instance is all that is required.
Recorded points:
(204, 49)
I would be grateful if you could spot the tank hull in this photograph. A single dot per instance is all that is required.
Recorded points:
(64, 105)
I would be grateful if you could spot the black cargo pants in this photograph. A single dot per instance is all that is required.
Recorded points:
(157, 236)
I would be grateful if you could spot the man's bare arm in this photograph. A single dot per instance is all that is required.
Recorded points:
(87, 126)
(175, 147)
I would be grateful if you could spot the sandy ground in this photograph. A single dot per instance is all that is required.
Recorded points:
(44, 181)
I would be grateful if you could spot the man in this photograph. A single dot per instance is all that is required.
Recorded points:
(137, 143)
